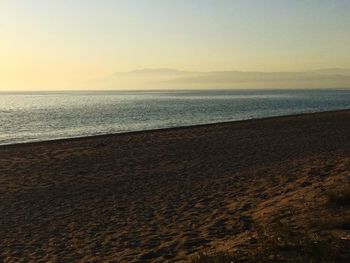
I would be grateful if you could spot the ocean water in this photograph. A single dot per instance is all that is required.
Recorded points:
(27, 117)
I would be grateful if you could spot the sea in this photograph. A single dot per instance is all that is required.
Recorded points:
(42, 116)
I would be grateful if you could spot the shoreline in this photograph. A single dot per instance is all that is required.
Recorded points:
(103, 136)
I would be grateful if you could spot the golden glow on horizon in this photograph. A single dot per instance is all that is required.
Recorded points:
(71, 45)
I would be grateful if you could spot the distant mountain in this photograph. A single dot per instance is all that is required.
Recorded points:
(169, 71)
(164, 78)
(333, 71)
(155, 71)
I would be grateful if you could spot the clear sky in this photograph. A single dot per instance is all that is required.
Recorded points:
(64, 43)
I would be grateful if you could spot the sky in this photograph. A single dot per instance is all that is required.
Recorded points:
(67, 44)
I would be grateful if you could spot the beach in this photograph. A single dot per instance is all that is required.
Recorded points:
(167, 195)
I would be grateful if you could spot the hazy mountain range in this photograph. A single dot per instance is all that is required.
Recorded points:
(179, 79)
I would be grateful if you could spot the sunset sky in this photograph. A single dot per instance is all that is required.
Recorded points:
(61, 44)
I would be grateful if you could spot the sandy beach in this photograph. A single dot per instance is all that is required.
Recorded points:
(167, 195)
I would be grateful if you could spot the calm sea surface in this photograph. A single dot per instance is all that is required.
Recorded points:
(26, 117)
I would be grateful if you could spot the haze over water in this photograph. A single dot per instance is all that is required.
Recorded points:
(27, 117)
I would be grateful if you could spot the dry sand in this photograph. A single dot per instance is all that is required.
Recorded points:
(163, 196)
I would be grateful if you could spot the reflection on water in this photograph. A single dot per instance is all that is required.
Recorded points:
(44, 116)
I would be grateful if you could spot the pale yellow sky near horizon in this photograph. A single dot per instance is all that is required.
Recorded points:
(70, 44)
